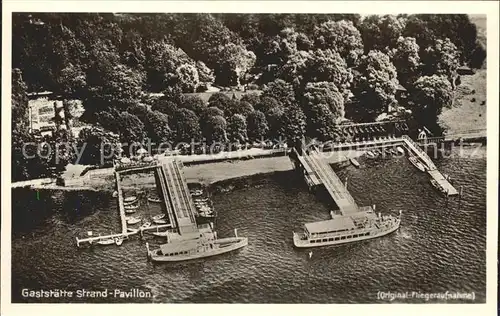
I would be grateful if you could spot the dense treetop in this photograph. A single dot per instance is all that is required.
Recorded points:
(313, 70)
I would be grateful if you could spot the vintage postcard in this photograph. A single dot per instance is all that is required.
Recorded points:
(259, 153)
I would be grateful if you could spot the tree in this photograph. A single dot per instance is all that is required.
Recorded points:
(281, 91)
(187, 76)
(130, 128)
(235, 62)
(186, 125)
(239, 107)
(114, 86)
(321, 122)
(381, 32)
(341, 36)
(274, 119)
(325, 93)
(257, 125)
(99, 147)
(237, 129)
(406, 60)
(165, 106)
(220, 101)
(252, 97)
(294, 69)
(293, 125)
(215, 129)
(157, 128)
(194, 103)
(442, 58)
(374, 87)
(267, 103)
(20, 118)
(328, 65)
(429, 95)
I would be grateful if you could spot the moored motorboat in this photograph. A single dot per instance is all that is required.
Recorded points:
(400, 150)
(183, 250)
(370, 154)
(420, 166)
(130, 211)
(131, 207)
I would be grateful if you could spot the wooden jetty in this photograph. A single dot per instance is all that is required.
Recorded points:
(92, 240)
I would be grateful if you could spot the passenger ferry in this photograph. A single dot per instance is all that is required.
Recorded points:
(195, 247)
(358, 226)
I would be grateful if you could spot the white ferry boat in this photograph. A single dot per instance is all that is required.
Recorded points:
(358, 226)
(197, 247)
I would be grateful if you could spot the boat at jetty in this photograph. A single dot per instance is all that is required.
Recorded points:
(420, 166)
(370, 154)
(154, 199)
(108, 241)
(400, 150)
(159, 216)
(160, 221)
(195, 248)
(145, 225)
(354, 162)
(131, 207)
(358, 226)
(196, 192)
(130, 199)
(133, 220)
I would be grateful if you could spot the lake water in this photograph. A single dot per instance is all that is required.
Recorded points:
(439, 247)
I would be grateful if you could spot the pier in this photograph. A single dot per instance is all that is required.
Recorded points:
(320, 170)
(317, 171)
(179, 197)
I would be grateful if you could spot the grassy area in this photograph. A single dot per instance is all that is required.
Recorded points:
(468, 111)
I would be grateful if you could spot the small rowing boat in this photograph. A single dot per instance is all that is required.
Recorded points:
(108, 241)
(370, 154)
(129, 199)
(354, 162)
(160, 221)
(196, 192)
(420, 166)
(159, 216)
(154, 199)
(133, 220)
(145, 225)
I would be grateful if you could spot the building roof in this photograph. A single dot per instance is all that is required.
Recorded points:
(344, 222)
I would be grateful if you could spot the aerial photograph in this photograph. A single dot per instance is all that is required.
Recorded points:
(248, 158)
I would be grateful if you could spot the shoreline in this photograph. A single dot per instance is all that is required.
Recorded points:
(202, 172)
